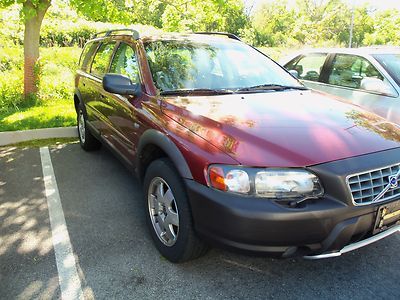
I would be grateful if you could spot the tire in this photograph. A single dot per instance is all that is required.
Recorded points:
(168, 214)
(86, 139)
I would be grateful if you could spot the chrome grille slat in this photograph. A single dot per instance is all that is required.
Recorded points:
(366, 186)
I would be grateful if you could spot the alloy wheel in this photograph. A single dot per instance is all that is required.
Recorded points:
(163, 211)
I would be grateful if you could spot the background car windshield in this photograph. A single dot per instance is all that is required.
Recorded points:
(391, 63)
(221, 64)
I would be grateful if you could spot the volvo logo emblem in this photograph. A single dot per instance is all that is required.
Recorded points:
(393, 183)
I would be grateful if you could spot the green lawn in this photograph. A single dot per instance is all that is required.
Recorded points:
(53, 106)
(59, 113)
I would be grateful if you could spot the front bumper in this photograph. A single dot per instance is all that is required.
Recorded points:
(320, 226)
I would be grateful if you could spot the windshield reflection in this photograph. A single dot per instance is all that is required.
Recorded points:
(216, 64)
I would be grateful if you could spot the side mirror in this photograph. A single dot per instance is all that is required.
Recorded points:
(376, 85)
(294, 73)
(120, 84)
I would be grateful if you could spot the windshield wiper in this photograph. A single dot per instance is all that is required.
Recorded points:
(271, 87)
(197, 91)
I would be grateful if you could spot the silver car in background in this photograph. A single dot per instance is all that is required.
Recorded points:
(368, 77)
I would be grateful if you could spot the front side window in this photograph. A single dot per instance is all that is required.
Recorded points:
(125, 63)
(353, 71)
(215, 64)
(309, 67)
(102, 59)
(87, 54)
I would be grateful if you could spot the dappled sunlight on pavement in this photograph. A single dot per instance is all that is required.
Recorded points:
(25, 235)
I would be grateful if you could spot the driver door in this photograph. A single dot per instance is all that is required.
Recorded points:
(123, 113)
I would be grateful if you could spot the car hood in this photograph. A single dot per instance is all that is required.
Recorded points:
(283, 129)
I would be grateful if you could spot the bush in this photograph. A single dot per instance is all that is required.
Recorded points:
(11, 89)
(11, 58)
(56, 83)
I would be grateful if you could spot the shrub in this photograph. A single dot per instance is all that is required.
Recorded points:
(11, 89)
(56, 83)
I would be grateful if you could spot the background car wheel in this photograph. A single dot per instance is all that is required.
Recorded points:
(168, 214)
(86, 139)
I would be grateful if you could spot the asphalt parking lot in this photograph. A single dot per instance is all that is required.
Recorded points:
(113, 255)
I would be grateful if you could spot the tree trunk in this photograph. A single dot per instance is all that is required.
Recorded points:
(33, 22)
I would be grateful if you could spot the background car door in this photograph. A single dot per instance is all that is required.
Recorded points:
(122, 113)
(348, 77)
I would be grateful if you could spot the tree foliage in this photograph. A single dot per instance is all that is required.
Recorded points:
(316, 22)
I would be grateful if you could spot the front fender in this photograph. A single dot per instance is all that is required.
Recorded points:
(159, 139)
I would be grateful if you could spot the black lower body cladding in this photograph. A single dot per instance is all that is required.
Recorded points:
(258, 225)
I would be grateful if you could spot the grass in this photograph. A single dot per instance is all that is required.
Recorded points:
(59, 113)
(44, 143)
(53, 106)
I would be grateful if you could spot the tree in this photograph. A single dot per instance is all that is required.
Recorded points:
(386, 29)
(322, 20)
(273, 23)
(32, 13)
(203, 15)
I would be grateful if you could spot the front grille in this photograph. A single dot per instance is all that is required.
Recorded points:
(365, 187)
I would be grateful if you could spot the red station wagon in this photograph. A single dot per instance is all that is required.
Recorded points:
(232, 150)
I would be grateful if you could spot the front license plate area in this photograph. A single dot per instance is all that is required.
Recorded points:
(388, 215)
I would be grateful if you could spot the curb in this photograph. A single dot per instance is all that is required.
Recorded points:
(13, 137)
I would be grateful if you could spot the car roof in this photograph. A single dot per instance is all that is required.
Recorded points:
(190, 37)
(193, 37)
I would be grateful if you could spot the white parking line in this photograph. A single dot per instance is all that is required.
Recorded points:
(70, 283)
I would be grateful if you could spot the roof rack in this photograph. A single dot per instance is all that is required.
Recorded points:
(134, 32)
(227, 34)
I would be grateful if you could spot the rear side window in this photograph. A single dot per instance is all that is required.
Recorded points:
(350, 70)
(309, 66)
(125, 63)
(102, 59)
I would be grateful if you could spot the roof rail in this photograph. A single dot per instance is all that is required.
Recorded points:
(134, 32)
(227, 34)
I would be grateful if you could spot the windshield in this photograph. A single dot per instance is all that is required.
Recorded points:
(391, 63)
(215, 65)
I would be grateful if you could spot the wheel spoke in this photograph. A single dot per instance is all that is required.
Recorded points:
(172, 218)
(160, 191)
(169, 233)
(153, 202)
(168, 198)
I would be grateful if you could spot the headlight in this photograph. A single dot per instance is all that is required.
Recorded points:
(287, 184)
(268, 183)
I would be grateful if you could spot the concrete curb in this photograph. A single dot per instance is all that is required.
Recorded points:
(13, 137)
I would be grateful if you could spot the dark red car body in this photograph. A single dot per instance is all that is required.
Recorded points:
(288, 129)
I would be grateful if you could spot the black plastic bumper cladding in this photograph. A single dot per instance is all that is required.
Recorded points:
(260, 225)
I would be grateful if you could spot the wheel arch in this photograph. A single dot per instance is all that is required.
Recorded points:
(77, 99)
(154, 144)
